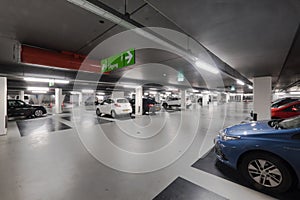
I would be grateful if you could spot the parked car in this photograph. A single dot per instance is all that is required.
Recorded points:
(171, 101)
(114, 107)
(20, 108)
(266, 153)
(283, 101)
(149, 105)
(286, 111)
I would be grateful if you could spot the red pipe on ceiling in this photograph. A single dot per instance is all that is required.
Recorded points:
(64, 59)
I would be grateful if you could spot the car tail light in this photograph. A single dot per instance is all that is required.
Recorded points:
(150, 105)
(117, 105)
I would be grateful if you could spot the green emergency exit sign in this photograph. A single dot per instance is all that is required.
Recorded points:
(118, 61)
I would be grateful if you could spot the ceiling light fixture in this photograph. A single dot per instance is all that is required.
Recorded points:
(294, 92)
(240, 82)
(250, 87)
(100, 93)
(206, 67)
(39, 91)
(87, 91)
(38, 88)
(45, 80)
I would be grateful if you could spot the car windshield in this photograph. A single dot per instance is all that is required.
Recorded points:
(290, 123)
(122, 101)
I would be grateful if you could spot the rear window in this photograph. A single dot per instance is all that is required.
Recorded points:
(122, 101)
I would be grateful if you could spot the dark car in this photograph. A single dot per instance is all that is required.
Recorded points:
(17, 108)
(286, 111)
(283, 101)
(266, 153)
(149, 105)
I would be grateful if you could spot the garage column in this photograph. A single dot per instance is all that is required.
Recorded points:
(3, 105)
(183, 99)
(21, 95)
(58, 100)
(262, 94)
(79, 98)
(139, 101)
(157, 97)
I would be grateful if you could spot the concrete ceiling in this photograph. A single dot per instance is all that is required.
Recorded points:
(257, 38)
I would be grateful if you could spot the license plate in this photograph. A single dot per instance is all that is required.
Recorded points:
(125, 110)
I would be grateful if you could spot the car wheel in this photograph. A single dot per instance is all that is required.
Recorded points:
(38, 113)
(113, 114)
(98, 113)
(266, 172)
(165, 105)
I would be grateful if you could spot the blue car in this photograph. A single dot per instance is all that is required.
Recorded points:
(266, 153)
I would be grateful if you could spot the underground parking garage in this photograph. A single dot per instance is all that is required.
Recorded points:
(146, 99)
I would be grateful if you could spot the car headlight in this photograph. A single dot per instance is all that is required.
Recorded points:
(223, 136)
(226, 137)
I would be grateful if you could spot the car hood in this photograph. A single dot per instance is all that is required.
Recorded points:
(249, 128)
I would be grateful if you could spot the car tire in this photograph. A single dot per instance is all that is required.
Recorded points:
(38, 113)
(113, 114)
(165, 105)
(266, 172)
(98, 113)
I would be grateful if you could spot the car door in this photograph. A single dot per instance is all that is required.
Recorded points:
(103, 106)
(291, 111)
(11, 108)
(22, 108)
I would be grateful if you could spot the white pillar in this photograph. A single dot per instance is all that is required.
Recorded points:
(3, 105)
(205, 99)
(138, 101)
(80, 99)
(227, 97)
(183, 99)
(157, 97)
(262, 91)
(58, 100)
(21, 95)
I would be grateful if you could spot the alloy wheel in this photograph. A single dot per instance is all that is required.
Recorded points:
(265, 173)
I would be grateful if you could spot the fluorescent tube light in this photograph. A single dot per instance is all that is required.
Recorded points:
(46, 80)
(39, 91)
(61, 81)
(206, 67)
(100, 93)
(295, 92)
(87, 91)
(38, 88)
(240, 82)
(43, 80)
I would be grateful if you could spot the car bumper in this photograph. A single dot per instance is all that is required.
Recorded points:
(222, 152)
(123, 111)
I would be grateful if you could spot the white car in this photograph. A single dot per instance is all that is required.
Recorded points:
(114, 107)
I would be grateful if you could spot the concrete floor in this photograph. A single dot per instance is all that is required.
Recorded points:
(124, 159)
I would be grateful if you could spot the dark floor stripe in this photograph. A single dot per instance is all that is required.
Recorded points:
(181, 189)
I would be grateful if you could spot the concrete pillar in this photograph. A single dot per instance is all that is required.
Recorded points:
(58, 100)
(205, 99)
(80, 99)
(227, 97)
(262, 94)
(183, 99)
(3, 105)
(138, 101)
(21, 95)
(157, 97)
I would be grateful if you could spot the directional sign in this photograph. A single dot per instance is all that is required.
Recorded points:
(123, 59)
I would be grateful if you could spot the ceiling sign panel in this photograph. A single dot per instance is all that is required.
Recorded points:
(118, 61)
